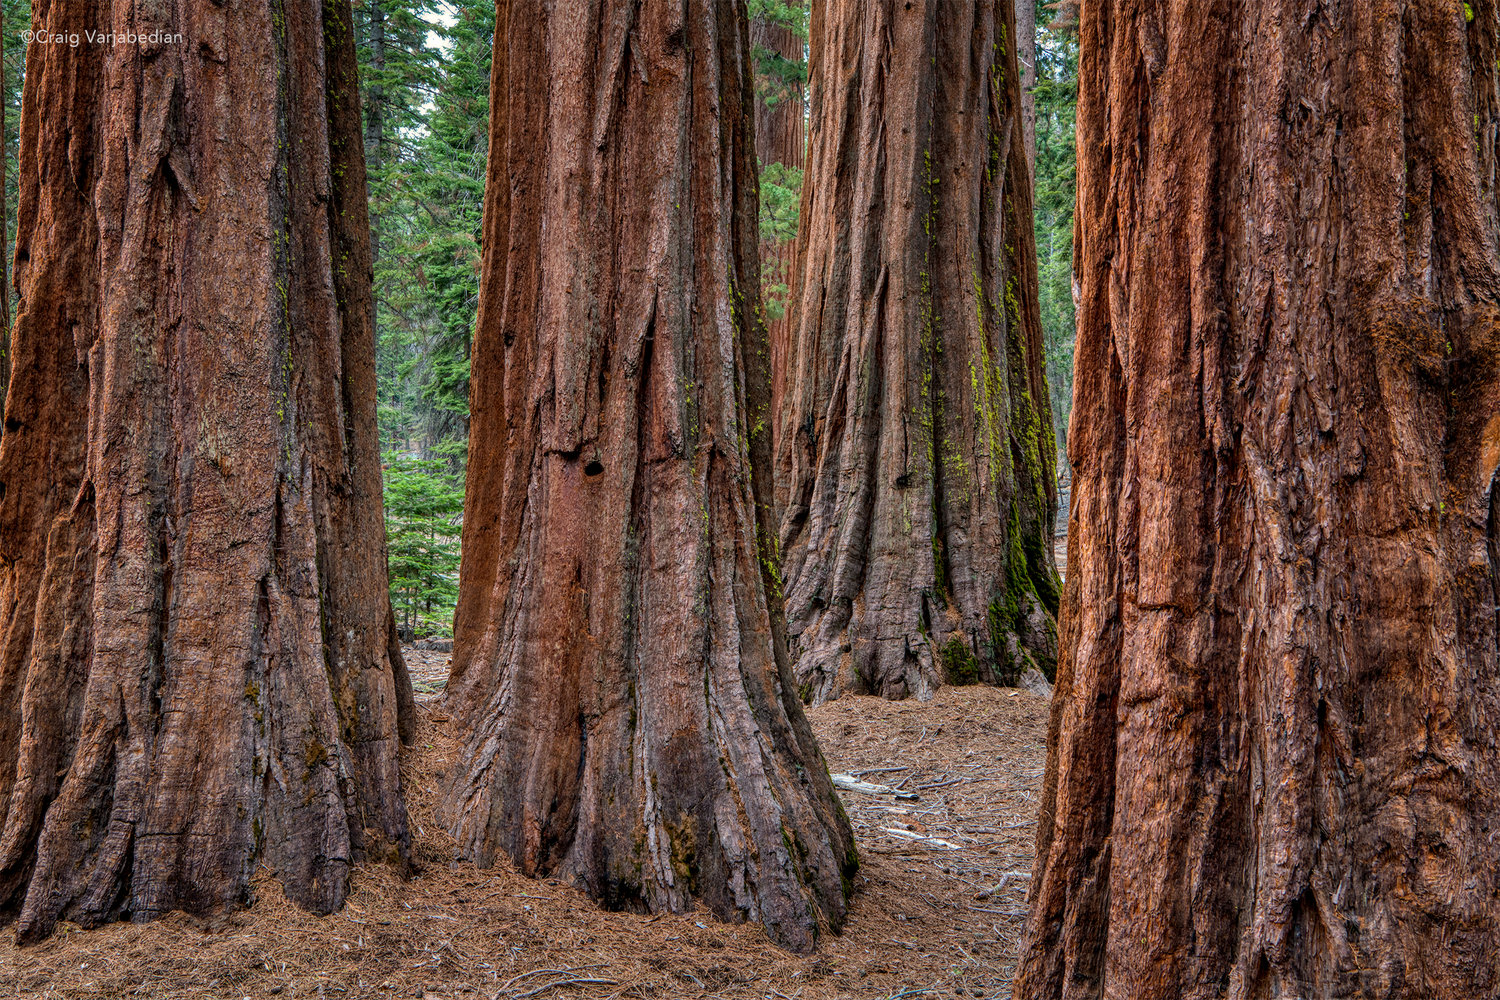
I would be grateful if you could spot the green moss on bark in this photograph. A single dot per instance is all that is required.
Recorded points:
(960, 665)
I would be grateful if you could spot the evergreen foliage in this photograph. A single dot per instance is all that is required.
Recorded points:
(423, 520)
(16, 17)
(425, 92)
(427, 204)
(780, 202)
(777, 79)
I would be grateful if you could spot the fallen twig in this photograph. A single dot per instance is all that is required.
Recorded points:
(1001, 829)
(999, 886)
(849, 782)
(566, 982)
(547, 972)
(920, 838)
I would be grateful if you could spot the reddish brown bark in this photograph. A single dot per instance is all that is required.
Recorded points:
(916, 464)
(780, 137)
(616, 657)
(1273, 767)
(194, 675)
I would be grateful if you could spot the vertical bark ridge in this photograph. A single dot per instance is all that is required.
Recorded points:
(915, 460)
(193, 610)
(617, 657)
(1272, 762)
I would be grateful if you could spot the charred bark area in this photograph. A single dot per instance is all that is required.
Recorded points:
(1272, 768)
(194, 671)
(916, 461)
(617, 660)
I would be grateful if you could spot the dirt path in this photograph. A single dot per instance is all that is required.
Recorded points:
(927, 920)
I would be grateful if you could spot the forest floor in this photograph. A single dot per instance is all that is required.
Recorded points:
(926, 920)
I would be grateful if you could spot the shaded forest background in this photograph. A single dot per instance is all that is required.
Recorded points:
(425, 74)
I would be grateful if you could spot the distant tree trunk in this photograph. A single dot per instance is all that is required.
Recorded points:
(780, 137)
(375, 109)
(1026, 42)
(1064, 16)
(194, 670)
(374, 121)
(634, 727)
(4, 238)
(917, 461)
(1273, 767)
(780, 130)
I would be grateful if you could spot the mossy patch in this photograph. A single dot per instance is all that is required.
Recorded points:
(1008, 610)
(1044, 579)
(682, 841)
(960, 665)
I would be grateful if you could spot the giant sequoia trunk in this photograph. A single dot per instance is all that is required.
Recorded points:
(916, 462)
(194, 675)
(633, 724)
(780, 137)
(1273, 767)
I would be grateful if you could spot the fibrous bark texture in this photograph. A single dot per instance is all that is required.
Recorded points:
(1273, 767)
(916, 469)
(616, 657)
(780, 137)
(194, 672)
